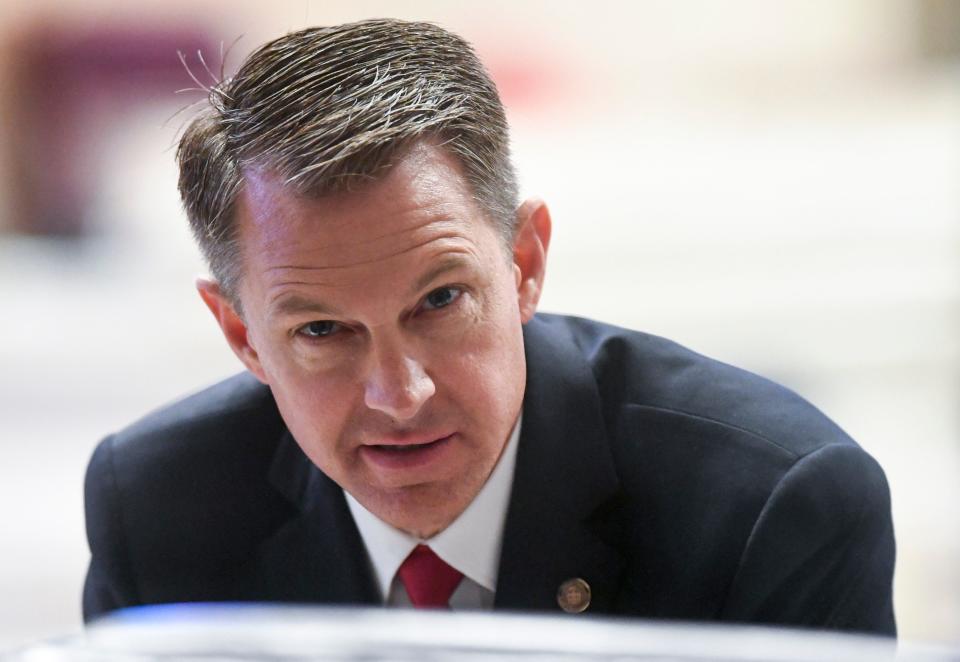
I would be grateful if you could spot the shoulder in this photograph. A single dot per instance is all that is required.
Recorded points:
(651, 383)
(730, 480)
(197, 426)
(195, 470)
(680, 423)
(240, 395)
(695, 439)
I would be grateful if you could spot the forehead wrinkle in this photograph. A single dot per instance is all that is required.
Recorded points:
(291, 304)
(452, 261)
(279, 292)
(361, 263)
(438, 220)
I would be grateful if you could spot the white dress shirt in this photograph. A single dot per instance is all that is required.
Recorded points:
(471, 543)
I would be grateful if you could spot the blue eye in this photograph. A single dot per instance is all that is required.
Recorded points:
(441, 297)
(319, 329)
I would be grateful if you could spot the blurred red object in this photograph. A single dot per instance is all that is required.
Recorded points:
(71, 87)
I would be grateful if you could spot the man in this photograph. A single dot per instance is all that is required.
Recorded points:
(409, 431)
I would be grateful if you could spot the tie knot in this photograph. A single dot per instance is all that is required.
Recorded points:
(428, 579)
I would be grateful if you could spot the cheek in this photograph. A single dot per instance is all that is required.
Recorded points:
(490, 363)
(307, 407)
(299, 370)
(320, 416)
(316, 405)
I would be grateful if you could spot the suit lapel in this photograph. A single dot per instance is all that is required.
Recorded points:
(317, 555)
(562, 522)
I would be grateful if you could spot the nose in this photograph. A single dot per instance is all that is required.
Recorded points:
(397, 384)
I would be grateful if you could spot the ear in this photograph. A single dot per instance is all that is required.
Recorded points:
(530, 254)
(233, 327)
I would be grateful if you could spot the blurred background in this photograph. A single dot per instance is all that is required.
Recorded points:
(775, 184)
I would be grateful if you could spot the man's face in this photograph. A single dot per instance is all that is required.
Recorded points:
(387, 323)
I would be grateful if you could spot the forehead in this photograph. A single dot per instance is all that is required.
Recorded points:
(420, 207)
(426, 179)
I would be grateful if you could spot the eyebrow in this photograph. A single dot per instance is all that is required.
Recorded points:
(295, 304)
(448, 264)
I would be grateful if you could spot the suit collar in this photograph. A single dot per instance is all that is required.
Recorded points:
(561, 523)
(296, 477)
(317, 555)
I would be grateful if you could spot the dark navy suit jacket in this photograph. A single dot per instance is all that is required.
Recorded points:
(676, 486)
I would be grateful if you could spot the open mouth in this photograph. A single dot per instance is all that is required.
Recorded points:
(406, 456)
(407, 448)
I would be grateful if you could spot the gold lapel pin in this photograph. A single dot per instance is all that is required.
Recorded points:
(573, 596)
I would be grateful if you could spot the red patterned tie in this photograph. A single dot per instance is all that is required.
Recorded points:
(428, 579)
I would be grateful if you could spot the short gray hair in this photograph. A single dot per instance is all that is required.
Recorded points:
(327, 109)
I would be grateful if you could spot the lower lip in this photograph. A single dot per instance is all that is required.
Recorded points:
(408, 458)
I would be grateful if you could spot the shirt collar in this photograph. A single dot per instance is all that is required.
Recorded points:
(471, 543)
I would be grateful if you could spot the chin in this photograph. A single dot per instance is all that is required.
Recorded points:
(421, 510)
